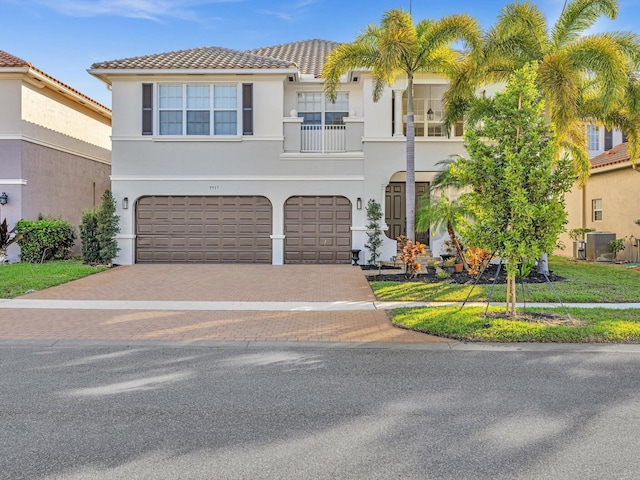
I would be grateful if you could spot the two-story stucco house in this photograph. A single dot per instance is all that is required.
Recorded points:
(608, 202)
(55, 150)
(236, 156)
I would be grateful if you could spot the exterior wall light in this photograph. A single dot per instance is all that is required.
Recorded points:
(125, 203)
(359, 203)
(4, 198)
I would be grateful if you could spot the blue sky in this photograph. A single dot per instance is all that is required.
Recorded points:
(64, 37)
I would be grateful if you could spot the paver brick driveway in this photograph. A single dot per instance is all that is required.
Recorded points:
(254, 284)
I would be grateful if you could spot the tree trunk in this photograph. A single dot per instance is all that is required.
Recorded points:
(411, 165)
(543, 265)
(511, 295)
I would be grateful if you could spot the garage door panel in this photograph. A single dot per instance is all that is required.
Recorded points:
(203, 229)
(317, 230)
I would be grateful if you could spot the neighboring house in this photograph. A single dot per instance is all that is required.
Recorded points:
(55, 151)
(608, 202)
(236, 156)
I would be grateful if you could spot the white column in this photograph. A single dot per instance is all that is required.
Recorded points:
(397, 114)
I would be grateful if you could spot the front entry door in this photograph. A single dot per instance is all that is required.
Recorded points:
(396, 213)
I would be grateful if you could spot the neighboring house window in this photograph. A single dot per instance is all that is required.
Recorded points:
(597, 209)
(608, 140)
(198, 109)
(593, 137)
(316, 109)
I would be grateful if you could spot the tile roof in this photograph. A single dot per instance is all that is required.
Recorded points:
(617, 154)
(8, 60)
(308, 55)
(11, 61)
(197, 58)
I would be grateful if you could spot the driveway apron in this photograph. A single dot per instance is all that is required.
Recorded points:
(204, 303)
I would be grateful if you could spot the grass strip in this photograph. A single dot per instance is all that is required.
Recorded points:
(18, 278)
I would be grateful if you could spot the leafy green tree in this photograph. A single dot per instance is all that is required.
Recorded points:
(517, 188)
(399, 48)
(583, 78)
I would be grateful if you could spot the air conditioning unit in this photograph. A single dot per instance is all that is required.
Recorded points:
(598, 246)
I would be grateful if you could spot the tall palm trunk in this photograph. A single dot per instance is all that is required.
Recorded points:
(411, 164)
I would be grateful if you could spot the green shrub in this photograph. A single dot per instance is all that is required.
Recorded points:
(374, 233)
(89, 238)
(98, 231)
(45, 239)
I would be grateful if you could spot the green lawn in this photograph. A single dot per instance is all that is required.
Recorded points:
(586, 282)
(469, 324)
(18, 278)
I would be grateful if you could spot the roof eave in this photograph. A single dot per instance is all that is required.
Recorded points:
(607, 167)
(68, 92)
(104, 73)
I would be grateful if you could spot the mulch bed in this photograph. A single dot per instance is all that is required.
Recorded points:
(487, 277)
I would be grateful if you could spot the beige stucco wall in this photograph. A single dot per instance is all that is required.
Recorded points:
(618, 186)
(267, 106)
(52, 111)
(10, 98)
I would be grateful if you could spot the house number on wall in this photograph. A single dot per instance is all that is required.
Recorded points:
(214, 187)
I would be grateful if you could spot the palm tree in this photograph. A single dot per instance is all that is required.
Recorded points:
(437, 211)
(397, 47)
(582, 78)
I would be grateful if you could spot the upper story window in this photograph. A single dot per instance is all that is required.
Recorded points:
(428, 112)
(316, 109)
(198, 109)
(596, 208)
(593, 137)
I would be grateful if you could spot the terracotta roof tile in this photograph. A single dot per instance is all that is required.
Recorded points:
(197, 58)
(8, 60)
(617, 154)
(309, 55)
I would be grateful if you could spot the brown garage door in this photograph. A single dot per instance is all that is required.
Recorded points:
(317, 230)
(203, 229)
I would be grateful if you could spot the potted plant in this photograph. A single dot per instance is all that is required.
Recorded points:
(7, 238)
(432, 265)
(448, 264)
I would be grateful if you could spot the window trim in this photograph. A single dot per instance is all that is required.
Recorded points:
(596, 202)
(211, 135)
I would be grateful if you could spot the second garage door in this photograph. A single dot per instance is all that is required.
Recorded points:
(225, 229)
(317, 230)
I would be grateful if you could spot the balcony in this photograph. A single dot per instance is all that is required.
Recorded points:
(323, 138)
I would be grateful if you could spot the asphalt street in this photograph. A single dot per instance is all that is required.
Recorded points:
(111, 411)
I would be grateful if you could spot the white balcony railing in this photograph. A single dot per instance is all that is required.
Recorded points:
(323, 138)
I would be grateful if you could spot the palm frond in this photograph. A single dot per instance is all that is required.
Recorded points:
(344, 58)
(601, 57)
(577, 17)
